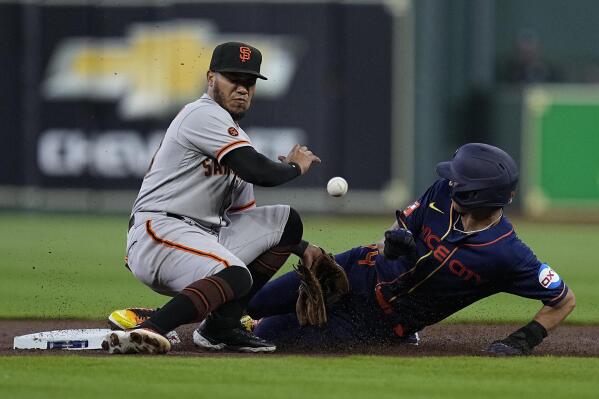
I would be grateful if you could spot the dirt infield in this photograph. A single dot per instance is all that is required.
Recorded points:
(439, 340)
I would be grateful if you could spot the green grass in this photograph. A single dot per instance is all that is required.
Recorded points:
(71, 266)
(570, 250)
(297, 377)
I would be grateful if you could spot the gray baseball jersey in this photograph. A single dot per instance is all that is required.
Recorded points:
(186, 177)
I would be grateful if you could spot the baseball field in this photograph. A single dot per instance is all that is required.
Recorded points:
(66, 271)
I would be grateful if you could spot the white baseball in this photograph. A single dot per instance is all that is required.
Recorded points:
(337, 186)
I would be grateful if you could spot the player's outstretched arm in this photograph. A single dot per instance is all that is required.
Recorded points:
(310, 254)
(522, 341)
(550, 317)
(257, 169)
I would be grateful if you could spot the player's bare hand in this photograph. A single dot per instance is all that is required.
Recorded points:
(301, 155)
(311, 253)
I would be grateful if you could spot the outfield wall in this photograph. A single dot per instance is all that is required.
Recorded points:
(382, 90)
(96, 84)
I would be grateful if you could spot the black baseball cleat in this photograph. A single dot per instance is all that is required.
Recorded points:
(412, 339)
(236, 339)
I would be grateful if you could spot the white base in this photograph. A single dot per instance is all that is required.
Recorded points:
(77, 339)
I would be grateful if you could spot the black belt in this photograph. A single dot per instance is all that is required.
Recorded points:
(174, 215)
(171, 215)
(212, 228)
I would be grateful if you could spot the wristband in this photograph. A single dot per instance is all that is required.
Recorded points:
(534, 333)
(296, 167)
(300, 248)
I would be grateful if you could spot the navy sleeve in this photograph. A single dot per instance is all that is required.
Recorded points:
(347, 257)
(413, 215)
(533, 279)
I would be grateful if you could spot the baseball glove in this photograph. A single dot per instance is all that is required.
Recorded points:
(322, 283)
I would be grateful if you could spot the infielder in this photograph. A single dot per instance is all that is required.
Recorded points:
(195, 231)
(446, 251)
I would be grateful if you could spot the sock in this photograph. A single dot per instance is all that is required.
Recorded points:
(265, 266)
(261, 269)
(200, 298)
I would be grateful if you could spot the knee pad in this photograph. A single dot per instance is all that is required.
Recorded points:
(294, 230)
(238, 278)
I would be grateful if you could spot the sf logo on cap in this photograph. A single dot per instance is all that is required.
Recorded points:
(245, 53)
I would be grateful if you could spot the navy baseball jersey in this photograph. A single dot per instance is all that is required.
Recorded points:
(454, 268)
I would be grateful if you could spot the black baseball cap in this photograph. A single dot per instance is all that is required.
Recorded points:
(237, 57)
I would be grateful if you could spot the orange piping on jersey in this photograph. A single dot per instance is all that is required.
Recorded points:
(398, 330)
(181, 246)
(490, 242)
(243, 207)
(229, 146)
(424, 257)
(397, 278)
(427, 277)
(386, 306)
(442, 238)
(434, 271)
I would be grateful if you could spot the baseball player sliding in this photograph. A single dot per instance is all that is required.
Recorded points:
(446, 251)
(195, 231)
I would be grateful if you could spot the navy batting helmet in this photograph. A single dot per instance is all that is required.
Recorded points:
(481, 176)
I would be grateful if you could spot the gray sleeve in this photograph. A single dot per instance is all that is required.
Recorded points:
(212, 131)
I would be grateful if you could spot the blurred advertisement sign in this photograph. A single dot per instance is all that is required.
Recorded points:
(96, 86)
(157, 67)
(115, 154)
(127, 154)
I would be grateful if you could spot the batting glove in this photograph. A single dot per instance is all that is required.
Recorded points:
(520, 342)
(398, 243)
